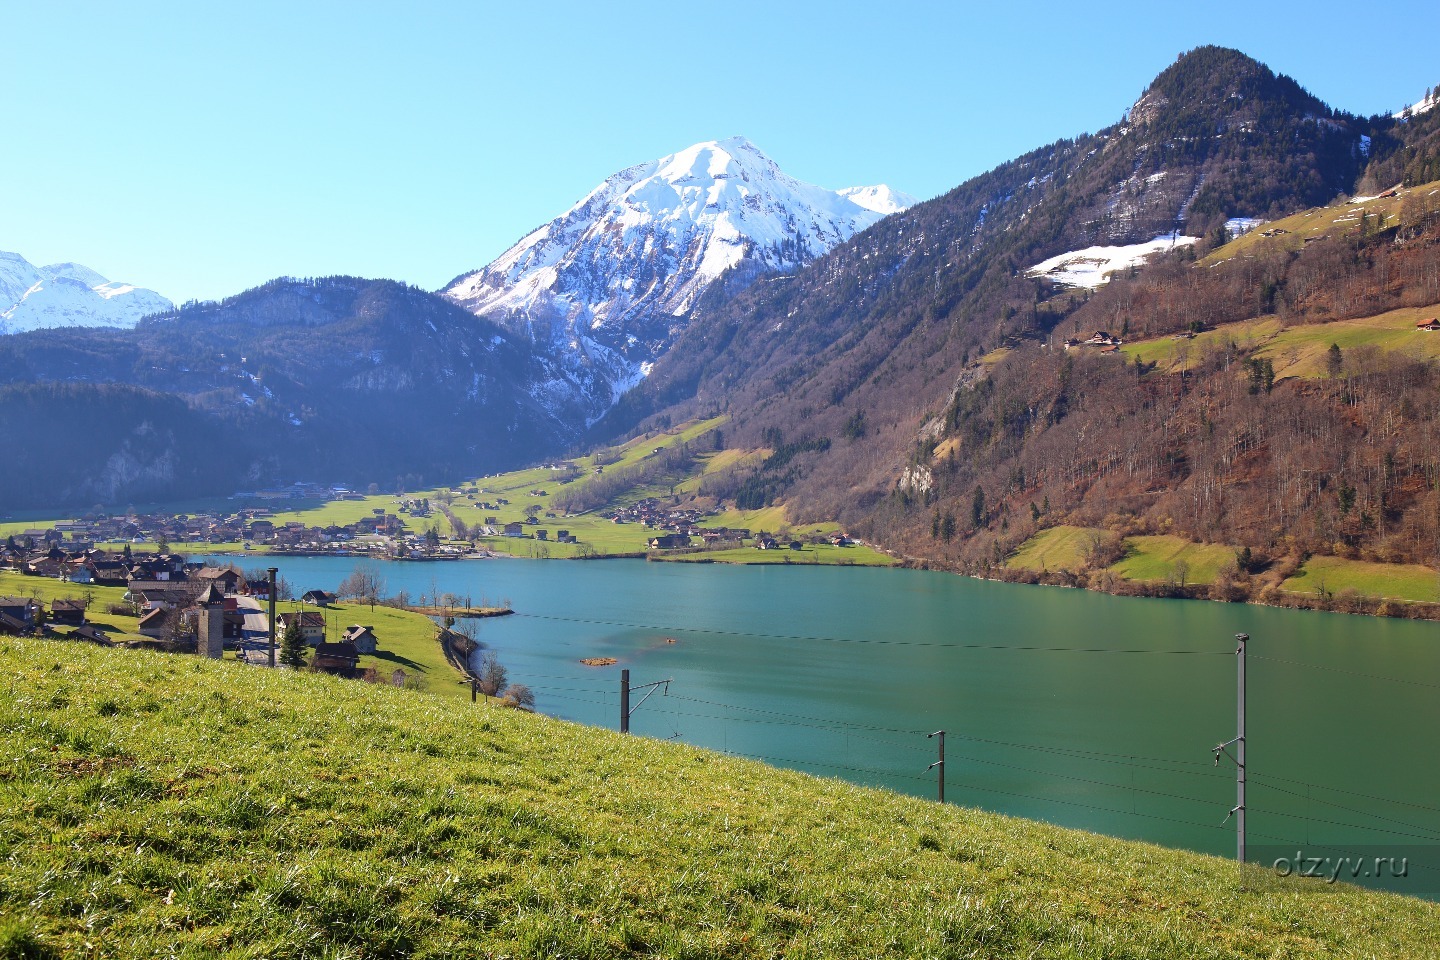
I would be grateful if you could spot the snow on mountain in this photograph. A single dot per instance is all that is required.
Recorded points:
(881, 199)
(68, 295)
(609, 283)
(1427, 102)
(1092, 266)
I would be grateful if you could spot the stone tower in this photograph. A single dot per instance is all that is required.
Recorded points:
(210, 631)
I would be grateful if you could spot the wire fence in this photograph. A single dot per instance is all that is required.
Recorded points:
(993, 765)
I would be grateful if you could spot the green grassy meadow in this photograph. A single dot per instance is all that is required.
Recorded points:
(118, 627)
(1395, 581)
(1154, 558)
(162, 805)
(1157, 557)
(406, 640)
(1054, 548)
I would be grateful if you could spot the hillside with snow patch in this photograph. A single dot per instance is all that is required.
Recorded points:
(1093, 266)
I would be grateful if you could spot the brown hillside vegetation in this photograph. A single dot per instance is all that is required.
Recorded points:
(1219, 450)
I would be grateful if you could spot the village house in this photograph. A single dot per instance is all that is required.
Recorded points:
(340, 659)
(147, 595)
(163, 623)
(362, 638)
(1431, 324)
(312, 625)
(669, 541)
(318, 598)
(69, 612)
(226, 580)
(22, 610)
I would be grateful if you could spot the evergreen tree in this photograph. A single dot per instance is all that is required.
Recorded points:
(293, 647)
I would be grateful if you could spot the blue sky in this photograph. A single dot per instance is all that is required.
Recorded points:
(201, 149)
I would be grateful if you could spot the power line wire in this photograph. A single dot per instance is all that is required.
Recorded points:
(873, 640)
(1348, 673)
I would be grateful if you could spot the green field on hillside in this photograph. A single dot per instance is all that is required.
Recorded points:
(1300, 350)
(1396, 581)
(1339, 220)
(118, 627)
(1160, 557)
(406, 640)
(162, 805)
(537, 489)
(1056, 548)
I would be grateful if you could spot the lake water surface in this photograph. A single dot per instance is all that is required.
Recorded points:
(1078, 708)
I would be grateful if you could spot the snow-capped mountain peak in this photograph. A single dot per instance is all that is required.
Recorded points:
(610, 282)
(68, 295)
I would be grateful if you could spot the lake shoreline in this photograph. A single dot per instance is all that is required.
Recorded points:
(1388, 608)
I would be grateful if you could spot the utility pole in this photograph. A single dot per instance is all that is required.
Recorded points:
(625, 709)
(1238, 811)
(272, 571)
(939, 763)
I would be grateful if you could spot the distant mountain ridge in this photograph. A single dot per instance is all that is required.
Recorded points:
(68, 295)
(608, 285)
(345, 378)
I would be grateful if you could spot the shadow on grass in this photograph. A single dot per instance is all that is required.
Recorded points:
(391, 657)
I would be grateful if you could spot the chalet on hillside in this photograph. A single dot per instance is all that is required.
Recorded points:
(317, 598)
(225, 579)
(337, 658)
(312, 625)
(1431, 324)
(669, 541)
(362, 638)
(68, 612)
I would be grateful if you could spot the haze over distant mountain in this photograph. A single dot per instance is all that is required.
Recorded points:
(609, 284)
(68, 295)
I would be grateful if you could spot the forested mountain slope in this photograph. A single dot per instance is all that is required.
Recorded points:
(862, 365)
(339, 379)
